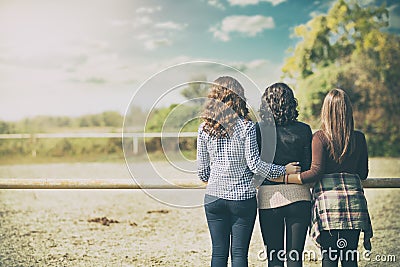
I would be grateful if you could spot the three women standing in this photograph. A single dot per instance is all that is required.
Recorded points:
(228, 157)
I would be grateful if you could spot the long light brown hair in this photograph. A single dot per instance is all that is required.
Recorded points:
(338, 124)
(226, 103)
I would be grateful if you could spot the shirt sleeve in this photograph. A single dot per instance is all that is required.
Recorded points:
(203, 158)
(317, 163)
(362, 165)
(258, 137)
(254, 162)
(306, 158)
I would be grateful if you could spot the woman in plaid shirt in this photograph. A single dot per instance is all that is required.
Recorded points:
(228, 157)
(339, 162)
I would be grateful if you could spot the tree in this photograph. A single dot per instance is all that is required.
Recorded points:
(347, 48)
(333, 37)
(196, 90)
(112, 119)
(175, 118)
(5, 127)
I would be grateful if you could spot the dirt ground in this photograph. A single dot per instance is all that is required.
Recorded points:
(129, 228)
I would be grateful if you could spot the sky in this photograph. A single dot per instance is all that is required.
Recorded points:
(84, 57)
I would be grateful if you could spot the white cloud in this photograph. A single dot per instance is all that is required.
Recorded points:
(216, 3)
(170, 25)
(141, 21)
(152, 44)
(244, 66)
(247, 25)
(157, 34)
(155, 39)
(145, 28)
(315, 13)
(148, 10)
(254, 2)
(223, 36)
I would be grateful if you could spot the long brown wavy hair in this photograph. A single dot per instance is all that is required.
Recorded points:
(278, 99)
(338, 124)
(226, 103)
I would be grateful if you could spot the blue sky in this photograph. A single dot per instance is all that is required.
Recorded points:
(78, 57)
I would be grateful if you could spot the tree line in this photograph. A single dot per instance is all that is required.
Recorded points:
(50, 123)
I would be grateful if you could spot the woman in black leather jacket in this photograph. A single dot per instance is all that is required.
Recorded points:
(284, 210)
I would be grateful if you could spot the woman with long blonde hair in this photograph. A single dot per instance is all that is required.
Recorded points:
(339, 163)
(228, 157)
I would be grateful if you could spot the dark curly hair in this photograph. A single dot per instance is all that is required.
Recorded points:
(278, 100)
(226, 103)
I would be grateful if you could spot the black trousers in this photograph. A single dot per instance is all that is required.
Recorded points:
(293, 219)
(339, 245)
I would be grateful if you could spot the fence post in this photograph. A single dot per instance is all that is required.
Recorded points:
(33, 142)
(135, 145)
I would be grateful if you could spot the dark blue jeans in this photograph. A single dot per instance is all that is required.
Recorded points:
(231, 224)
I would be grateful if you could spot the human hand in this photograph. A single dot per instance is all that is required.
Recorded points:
(367, 244)
(293, 168)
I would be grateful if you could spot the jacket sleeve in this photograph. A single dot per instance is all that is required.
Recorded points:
(254, 162)
(362, 165)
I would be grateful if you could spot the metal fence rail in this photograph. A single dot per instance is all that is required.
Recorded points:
(16, 183)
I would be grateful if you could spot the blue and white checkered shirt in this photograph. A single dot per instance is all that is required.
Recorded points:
(228, 164)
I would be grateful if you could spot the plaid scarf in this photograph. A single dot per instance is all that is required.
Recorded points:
(339, 203)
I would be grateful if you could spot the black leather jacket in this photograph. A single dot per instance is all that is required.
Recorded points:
(293, 143)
